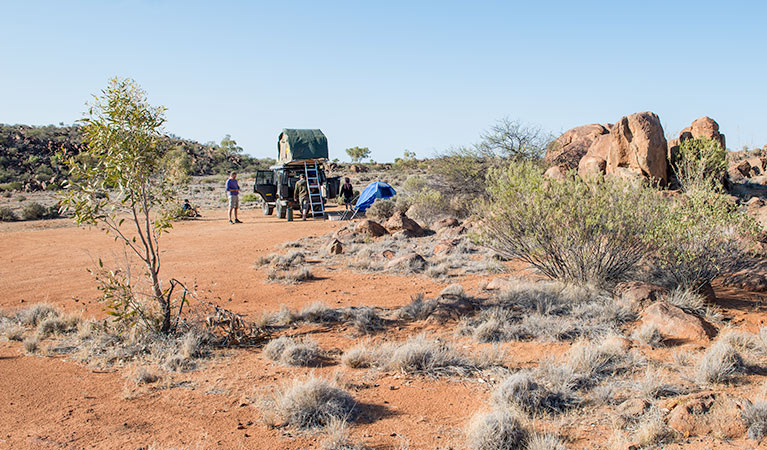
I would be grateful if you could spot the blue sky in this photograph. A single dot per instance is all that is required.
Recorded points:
(423, 76)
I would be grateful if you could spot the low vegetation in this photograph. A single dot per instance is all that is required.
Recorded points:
(310, 402)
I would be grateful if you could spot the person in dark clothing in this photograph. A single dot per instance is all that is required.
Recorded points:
(233, 192)
(301, 195)
(189, 210)
(347, 192)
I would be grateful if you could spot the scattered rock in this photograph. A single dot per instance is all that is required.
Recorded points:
(568, 149)
(675, 324)
(447, 222)
(335, 247)
(445, 246)
(410, 261)
(639, 294)
(448, 232)
(704, 413)
(400, 222)
(633, 408)
(371, 228)
(558, 172)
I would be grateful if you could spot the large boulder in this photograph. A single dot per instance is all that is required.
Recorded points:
(400, 222)
(675, 324)
(570, 147)
(638, 144)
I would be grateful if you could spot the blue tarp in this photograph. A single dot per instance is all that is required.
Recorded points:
(374, 190)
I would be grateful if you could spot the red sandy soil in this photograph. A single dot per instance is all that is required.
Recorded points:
(51, 402)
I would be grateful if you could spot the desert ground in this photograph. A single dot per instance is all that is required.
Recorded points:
(52, 401)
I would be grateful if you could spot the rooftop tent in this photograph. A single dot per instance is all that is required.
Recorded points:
(297, 145)
(374, 190)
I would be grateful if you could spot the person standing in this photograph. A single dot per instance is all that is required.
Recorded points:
(233, 191)
(347, 192)
(301, 195)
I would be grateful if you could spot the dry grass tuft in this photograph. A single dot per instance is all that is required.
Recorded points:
(308, 403)
(338, 437)
(33, 315)
(719, 364)
(755, 416)
(545, 442)
(31, 344)
(297, 275)
(496, 430)
(361, 356)
(293, 352)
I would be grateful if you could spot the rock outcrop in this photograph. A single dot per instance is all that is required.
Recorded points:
(675, 324)
(638, 144)
(570, 147)
(632, 148)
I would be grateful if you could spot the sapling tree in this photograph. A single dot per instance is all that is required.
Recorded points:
(124, 184)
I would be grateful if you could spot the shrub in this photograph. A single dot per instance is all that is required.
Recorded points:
(700, 164)
(381, 209)
(33, 211)
(7, 215)
(700, 236)
(568, 229)
(496, 430)
(600, 232)
(249, 198)
(308, 403)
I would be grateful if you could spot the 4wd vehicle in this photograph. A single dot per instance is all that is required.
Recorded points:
(298, 151)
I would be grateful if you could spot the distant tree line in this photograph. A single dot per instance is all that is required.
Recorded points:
(28, 158)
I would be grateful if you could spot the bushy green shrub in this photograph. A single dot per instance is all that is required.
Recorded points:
(600, 232)
(33, 211)
(701, 235)
(570, 230)
(7, 215)
(381, 209)
(249, 198)
(699, 164)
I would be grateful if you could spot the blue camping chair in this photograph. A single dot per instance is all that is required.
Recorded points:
(373, 191)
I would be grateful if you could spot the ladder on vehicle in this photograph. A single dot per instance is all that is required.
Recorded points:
(315, 191)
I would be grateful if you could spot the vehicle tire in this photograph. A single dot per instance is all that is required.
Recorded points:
(266, 208)
(280, 210)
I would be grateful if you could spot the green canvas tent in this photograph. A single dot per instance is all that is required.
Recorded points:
(298, 145)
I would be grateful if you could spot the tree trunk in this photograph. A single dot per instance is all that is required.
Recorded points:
(164, 303)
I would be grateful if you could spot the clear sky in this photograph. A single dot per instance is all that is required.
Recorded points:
(390, 75)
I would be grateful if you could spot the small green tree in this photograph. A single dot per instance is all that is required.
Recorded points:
(357, 154)
(700, 164)
(125, 178)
